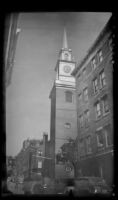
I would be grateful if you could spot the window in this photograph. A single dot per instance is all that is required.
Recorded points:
(85, 94)
(67, 125)
(80, 96)
(98, 109)
(68, 96)
(100, 138)
(88, 144)
(86, 118)
(39, 164)
(39, 153)
(95, 85)
(84, 71)
(102, 79)
(59, 158)
(82, 148)
(105, 104)
(66, 56)
(94, 63)
(100, 56)
(108, 135)
(78, 77)
(111, 44)
(81, 121)
(33, 162)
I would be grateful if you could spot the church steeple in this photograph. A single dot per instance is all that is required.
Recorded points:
(65, 44)
(63, 109)
(65, 53)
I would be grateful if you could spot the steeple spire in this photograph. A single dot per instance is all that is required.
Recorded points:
(65, 44)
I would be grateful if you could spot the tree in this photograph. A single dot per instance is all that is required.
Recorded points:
(68, 150)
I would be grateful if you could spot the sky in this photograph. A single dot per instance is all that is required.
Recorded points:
(38, 46)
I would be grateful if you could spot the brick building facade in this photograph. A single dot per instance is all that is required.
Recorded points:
(10, 165)
(94, 93)
(63, 123)
(33, 161)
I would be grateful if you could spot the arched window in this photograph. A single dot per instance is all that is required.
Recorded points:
(68, 96)
(66, 56)
(67, 125)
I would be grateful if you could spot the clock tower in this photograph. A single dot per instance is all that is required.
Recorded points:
(65, 65)
(63, 122)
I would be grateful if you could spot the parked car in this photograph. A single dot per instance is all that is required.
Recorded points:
(91, 185)
(38, 189)
(83, 186)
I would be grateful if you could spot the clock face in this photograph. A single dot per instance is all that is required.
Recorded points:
(67, 68)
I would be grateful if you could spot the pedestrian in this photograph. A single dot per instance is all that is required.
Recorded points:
(71, 193)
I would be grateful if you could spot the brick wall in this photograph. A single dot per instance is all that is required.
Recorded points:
(86, 80)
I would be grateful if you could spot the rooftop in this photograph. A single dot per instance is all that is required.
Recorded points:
(93, 47)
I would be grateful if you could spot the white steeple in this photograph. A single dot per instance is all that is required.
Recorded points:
(65, 44)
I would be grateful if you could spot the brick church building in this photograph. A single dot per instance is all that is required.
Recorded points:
(82, 109)
(63, 107)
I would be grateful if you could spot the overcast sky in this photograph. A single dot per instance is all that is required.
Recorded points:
(39, 42)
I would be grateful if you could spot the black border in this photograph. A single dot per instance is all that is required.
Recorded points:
(100, 7)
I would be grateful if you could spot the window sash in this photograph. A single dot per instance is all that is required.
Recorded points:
(95, 85)
(81, 119)
(105, 105)
(100, 138)
(100, 54)
(88, 144)
(108, 136)
(98, 110)
(86, 94)
(94, 63)
(102, 79)
(86, 118)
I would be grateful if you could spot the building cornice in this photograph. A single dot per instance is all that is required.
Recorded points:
(101, 36)
(91, 156)
(63, 86)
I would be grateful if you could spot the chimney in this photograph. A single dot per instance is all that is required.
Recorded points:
(45, 140)
(45, 137)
